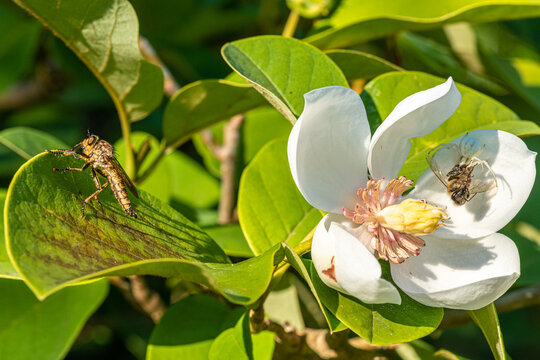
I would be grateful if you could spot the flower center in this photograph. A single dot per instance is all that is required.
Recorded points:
(395, 227)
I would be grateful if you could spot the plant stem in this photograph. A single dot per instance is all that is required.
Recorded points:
(164, 150)
(126, 134)
(291, 24)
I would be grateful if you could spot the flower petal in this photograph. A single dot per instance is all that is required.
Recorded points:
(459, 274)
(327, 148)
(415, 116)
(344, 262)
(487, 212)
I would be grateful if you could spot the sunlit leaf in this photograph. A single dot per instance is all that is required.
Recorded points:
(270, 207)
(355, 22)
(282, 305)
(52, 246)
(360, 65)
(231, 239)
(282, 80)
(6, 268)
(45, 329)
(104, 35)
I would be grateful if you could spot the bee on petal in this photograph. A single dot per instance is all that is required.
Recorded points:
(99, 157)
(459, 182)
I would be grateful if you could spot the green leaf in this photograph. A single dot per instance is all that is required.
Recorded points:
(282, 80)
(270, 207)
(487, 320)
(18, 144)
(476, 111)
(18, 45)
(104, 35)
(360, 65)
(260, 127)
(239, 343)
(52, 246)
(356, 22)
(379, 324)
(282, 305)
(188, 328)
(204, 103)
(231, 239)
(296, 262)
(48, 328)
(6, 268)
(514, 60)
(421, 53)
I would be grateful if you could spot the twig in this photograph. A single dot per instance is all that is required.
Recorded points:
(137, 292)
(517, 299)
(291, 24)
(170, 86)
(45, 84)
(316, 343)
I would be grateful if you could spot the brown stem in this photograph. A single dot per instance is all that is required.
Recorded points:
(170, 86)
(137, 292)
(517, 299)
(227, 155)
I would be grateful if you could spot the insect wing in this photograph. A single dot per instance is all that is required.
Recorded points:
(430, 158)
(125, 178)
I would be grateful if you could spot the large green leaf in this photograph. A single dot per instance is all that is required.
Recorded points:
(204, 103)
(231, 239)
(360, 65)
(52, 246)
(188, 328)
(380, 324)
(46, 329)
(476, 111)
(487, 320)
(17, 46)
(424, 54)
(6, 268)
(270, 207)
(514, 60)
(355, 22)
(104, 34)
(282, 80)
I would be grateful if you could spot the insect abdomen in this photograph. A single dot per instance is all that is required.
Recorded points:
(120, 193)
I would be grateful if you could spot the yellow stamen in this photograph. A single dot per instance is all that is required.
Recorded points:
(412, 216)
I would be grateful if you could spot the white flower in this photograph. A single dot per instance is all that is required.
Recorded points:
(464, 264)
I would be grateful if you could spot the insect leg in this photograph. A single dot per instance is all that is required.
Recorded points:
(98, 184)
(64, 152)
(85, 166)
(94, 195)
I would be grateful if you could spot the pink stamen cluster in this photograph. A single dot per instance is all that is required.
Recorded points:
(390, 244)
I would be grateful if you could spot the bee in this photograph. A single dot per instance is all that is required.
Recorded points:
(462, 159)
(99, 156)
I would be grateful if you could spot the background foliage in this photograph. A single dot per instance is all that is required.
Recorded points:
(222, 228)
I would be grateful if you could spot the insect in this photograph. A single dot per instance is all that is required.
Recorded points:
(99, 156)
(462, 159)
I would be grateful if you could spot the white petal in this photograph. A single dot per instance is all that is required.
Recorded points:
(339, 248)
(415, 116)
(459, 274)
(327, 148)
(487, 212)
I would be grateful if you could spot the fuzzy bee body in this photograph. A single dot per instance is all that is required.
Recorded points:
(459, 182)
(99, 155)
